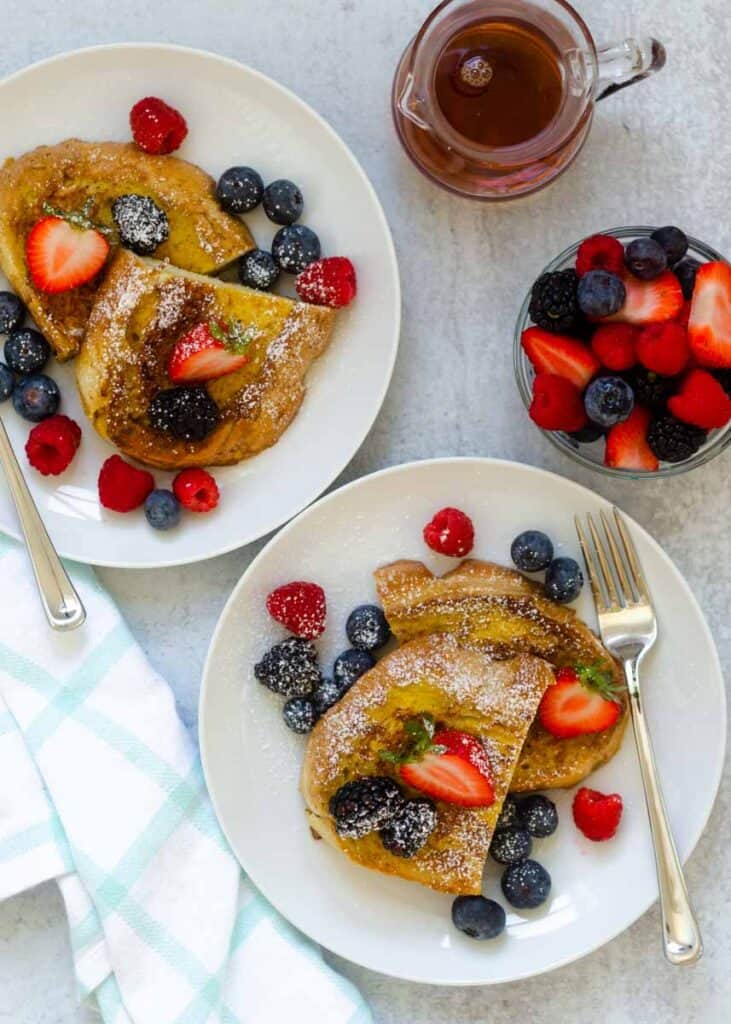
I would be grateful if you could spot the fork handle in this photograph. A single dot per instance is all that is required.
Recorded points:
(681, 934)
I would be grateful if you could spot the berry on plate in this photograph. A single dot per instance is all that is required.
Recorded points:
(350, 666)
(526, 885)
(409, 829)
(600, 252)
(290, 668)
(26, 350)
(553, 301)
(196, 490)
(162, 509)
(367, 627)
(326, 694)
(365, 805)
(627, 444)
(123, 487)
(651, 389)
(283, 202)
(673, 241)
(239, 189)
(672, 440)
(608, 400)
(531, 551)
(156, 126)
(614, 346)
(600, 294)
(12, 312)
(648, 302)
(7, 382)
(557, 404)
(538, 815)
(510, 845)
(580, 702)
(596, 814)
(559, 354)
(645, 258)
(450, 532)
(294, 247)
(257, 269)
(52, 444)
(663, 348)
(187, 413)
(564, 580)
(701, 401)
(328, 282)
(142, 224)
(299, 714)
(709, 328)
(210, 350)
(300, 607)
(36, 397)
(65, 250)
(478, 917)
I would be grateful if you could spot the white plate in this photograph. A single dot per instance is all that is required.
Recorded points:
(235, 115)
(252, 762)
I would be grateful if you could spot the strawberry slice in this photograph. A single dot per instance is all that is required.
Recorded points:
(627, 446)
(560, 355)
(61, 254)
(581, 701)
(650, 302)
(709, 327)
(210, 350)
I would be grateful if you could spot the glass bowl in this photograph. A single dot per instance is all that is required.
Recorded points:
(592, 455)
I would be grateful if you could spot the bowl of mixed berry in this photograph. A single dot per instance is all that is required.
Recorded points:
(622, 352)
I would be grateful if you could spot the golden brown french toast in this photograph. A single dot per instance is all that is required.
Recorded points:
(460, 689)
(497, 610)
(202, 238)
(142, 309)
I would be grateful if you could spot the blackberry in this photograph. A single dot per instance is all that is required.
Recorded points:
(511, 845)
(553, 303)
(538, 815)
(724, 379)
(142, 224)
(188, 413)
(410, 828)
(671, 440)
(299, 714)
(588, 434)
(651, 389)
(364, 805)
(289, 668)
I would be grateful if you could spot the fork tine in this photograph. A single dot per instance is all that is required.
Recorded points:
(606, 572)
(591, 570)
(632, 559)
(629, 595)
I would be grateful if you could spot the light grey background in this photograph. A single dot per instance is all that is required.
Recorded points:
(659, 153)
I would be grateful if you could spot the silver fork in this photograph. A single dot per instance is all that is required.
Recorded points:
(628, 628)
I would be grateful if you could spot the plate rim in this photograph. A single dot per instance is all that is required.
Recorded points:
(391, 266)
(206, 685)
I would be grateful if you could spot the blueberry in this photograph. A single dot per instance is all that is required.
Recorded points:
(36, 397)
(409, 829)
(12, 312)
(564, 580)
(7, 382)
(364, 805)
(283, 202)
(142, 224)
(326, 694)
(608, 400)
(526, 885)
(645, 258)
(591, 432)
(295, 247)
(601, 293)
(508, 814)
(26, 350)
(187, 413)
(478, 917)
(510, 845)
(162, 509)
(257, 269)
(367, 628)
(673, 241)
(290, 668)
(531, 550)
(685, 272)
(239, 189)
(350, 665)
(538, 815)
(299, 714)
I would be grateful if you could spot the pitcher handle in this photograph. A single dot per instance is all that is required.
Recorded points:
(409, 104)
(623, 64)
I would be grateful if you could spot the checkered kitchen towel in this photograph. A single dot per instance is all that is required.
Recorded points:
(101, 788)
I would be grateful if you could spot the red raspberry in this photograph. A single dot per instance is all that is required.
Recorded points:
(663, 348)
(600, 252)
(157, 127)
(123, 487)
(196, 490)
(450, 532)
(614, 346)
(557, 404)
(597, 815)
(328, 282)
(300, 607)
(52, 444)
(701, 401)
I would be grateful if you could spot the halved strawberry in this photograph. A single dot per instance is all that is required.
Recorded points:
(62, 255)
(208, 351)
(581, 701)
(627, 446)
(650, 302)
(709, 327)
(561, 355)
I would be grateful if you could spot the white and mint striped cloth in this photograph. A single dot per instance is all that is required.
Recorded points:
(101, 789)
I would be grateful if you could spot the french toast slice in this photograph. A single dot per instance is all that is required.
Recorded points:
(461, 689)
(497, 610)
(203, 238)
(142, 308)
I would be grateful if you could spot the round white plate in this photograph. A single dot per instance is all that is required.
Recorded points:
(235, 116)
(252, 761)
